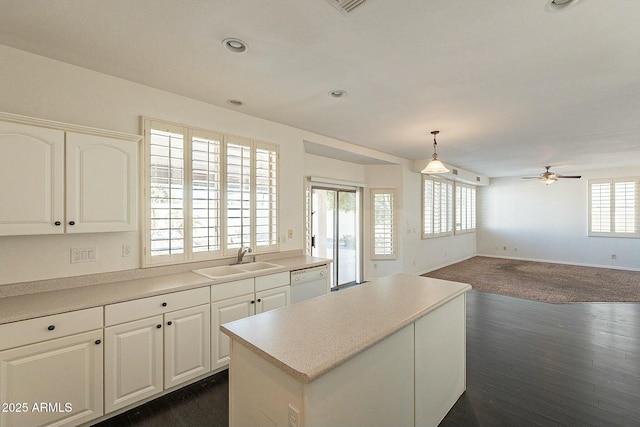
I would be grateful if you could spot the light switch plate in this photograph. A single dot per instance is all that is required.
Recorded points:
(81, 255)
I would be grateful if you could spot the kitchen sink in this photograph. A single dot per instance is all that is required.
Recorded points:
(220, 271)
(232, 270)
(257, 266)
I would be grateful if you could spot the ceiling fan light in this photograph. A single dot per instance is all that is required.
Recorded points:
(549, 180)
(435, 166)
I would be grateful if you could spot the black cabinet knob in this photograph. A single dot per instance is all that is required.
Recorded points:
(169, 323)
(158, 326)
(51, 327)
(57, 223)
(259, 299)
(72, 223)
(98, 342)
(164, 304)
(253, 302)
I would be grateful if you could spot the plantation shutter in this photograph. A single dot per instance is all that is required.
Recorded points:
(167, 193)
(625, 207)
(383, 222)
(266, 209)
(238, 194)
(206, 200)
(614, 207)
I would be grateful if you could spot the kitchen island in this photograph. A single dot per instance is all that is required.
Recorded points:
(388, 352)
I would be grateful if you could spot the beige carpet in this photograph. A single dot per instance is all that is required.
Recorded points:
(541, 281)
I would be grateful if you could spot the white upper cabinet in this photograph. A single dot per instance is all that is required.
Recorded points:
(32, 176)
(101, 179)
(59, 181)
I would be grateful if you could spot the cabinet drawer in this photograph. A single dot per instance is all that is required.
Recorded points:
(231, 289)
(272, 281)
(31, 331)
(147, 307)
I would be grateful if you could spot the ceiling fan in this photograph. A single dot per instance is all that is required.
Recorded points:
(549, 177)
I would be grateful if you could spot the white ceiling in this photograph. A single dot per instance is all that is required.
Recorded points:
(511, 85)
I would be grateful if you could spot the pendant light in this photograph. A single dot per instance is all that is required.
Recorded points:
(435, 165)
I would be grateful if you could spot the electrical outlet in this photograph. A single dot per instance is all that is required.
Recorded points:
(126, 250)
(290, 234)
(294, 417)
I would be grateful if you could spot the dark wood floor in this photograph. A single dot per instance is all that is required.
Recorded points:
(528, 364)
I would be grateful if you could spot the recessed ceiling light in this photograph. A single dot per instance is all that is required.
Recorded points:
(235, 45)
(556, 5)
(235, 102)
(337, 93)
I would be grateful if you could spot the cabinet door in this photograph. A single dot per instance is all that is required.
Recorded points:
(54, 382)
(272, 299)
(133, 362)
(32, 174)
(101, 184)
(222, 312)
(187, 344)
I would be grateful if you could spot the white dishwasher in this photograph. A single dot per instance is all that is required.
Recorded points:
(309, 283)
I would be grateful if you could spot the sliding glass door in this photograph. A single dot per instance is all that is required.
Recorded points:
(335, 230)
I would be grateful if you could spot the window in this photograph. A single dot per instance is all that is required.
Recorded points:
(208, 194)
(437, 207)
(614, 210)
(383, 224)
(465, 205)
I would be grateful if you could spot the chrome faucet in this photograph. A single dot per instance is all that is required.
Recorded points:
(243, 250)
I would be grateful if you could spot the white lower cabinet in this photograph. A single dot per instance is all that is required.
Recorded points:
(186, 345)
(133, 362)
(146, 356)
(243, 298)
(222, 312)
(56, 381)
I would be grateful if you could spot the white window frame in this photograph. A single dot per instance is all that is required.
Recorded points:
(390, 232)
(444, 209)
(610, 206)
(465, 208)
(224, 249)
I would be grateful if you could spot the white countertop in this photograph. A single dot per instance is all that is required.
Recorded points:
(312, 337)
(22, 307)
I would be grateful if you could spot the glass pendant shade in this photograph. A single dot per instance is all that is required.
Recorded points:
(435, 165)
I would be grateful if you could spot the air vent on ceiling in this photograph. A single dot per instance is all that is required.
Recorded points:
(455, 171)
(346, 6)
(477, 178)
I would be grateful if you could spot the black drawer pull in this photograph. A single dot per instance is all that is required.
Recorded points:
(57, 223)
(259, 299)
(158, 326)
(164, 304)
(253, 302)
(72, 223)
(51, 327)
(169, 323)
(98, 342)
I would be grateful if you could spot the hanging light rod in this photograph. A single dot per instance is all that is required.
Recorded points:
(435, 166)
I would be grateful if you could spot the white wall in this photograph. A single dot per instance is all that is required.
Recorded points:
(324, 167)
(525, 219)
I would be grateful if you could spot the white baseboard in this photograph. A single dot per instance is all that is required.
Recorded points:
(580, 264)
(420, 273)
